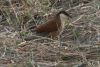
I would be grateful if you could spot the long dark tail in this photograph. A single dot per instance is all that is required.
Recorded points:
(28, 38)
(36, 36)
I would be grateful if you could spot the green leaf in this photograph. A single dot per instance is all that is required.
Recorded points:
(74, 32)
(71, 1)
(29, 59)
(23, 32)
(42, 1)
(51, 36)
(8, 15)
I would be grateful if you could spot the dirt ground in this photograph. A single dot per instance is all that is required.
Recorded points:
(79, 45)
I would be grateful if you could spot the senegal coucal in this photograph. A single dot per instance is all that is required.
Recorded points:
(52, 27)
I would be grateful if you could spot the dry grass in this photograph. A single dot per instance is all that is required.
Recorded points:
(78, 47)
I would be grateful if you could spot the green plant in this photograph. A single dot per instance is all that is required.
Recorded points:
(67, 21)
(12, 65)
(42, 1)
(71, 1)
(51, 36)
(74, 32)
(22, 32)
(76, 61)
(29, 59)
(8, 16)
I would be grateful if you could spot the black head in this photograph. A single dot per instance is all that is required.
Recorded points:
(62, 12)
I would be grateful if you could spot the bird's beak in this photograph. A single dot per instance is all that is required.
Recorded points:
(69, 16)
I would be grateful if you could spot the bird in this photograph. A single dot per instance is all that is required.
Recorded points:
(52, 27)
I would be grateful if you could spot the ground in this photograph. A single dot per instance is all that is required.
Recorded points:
(79, 45)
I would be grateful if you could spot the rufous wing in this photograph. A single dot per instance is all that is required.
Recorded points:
(51, 25)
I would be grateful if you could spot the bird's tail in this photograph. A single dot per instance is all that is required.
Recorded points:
(36, 36)
(28, 38)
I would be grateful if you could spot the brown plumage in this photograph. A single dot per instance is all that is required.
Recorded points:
(54, 26)
(50, 26)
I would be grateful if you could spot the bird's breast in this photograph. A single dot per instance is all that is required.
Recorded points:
(61, 27)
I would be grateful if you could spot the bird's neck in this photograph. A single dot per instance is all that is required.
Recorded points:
(63, 20)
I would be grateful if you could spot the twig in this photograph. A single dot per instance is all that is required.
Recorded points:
(33, 18)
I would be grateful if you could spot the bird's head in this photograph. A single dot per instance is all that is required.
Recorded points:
(63, 15)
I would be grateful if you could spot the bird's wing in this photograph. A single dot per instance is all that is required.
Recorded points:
(50, 26)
